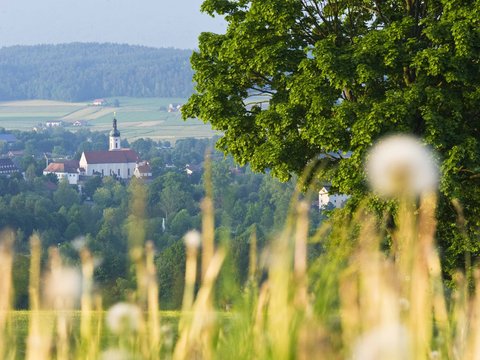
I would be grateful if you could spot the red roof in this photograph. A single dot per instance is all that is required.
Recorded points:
(144, 168)
(114, 156)
(70, 166)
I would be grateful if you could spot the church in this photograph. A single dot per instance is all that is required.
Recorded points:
(118, 162)
(114, 162)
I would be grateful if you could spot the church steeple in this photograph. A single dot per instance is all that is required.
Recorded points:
(114, 135)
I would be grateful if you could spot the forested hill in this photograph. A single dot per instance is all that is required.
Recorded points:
(83, 71)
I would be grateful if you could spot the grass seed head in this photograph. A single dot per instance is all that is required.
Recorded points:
(192, 239)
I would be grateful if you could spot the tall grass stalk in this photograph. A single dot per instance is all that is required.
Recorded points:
(39, 332)
(6, 291)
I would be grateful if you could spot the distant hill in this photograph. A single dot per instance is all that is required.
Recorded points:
(83, 71)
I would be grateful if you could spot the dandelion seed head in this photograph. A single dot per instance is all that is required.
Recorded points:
(115, 354)
(79, 243)
(63, 287)
(123, 317)
(192, 239)
(385, 342)
(401, 163)
(404, 304)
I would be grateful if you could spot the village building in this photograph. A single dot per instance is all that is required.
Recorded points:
(64, 170)
(7, 167)
(80, 123)
(325, 198)
(15, 153)
(117, 162)
(143, 170)
(54, 123)
(99, 102)
(174, 107)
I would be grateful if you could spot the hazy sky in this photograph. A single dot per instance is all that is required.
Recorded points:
(159, 23)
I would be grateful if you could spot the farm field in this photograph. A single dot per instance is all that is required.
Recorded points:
(137, 117)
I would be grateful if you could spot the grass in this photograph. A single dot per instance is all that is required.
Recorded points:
(138, 117)
(355, 300)
(19, 322)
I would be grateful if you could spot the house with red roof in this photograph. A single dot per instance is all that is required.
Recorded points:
(143, 170)
(99, 102)
(64, 170)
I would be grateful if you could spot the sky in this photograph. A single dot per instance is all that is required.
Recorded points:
(157, 23)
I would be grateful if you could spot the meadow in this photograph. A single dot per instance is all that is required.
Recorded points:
(138, 117)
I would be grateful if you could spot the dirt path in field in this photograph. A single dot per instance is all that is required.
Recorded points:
(88, 113)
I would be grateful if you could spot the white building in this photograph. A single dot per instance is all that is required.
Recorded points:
(64, 170)
(99, 102)
(7, 167)
(54, 123)
(121, 163)
(116, 161)
(325, 198)
(143, 170)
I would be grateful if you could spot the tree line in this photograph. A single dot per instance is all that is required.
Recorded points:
(85, 71)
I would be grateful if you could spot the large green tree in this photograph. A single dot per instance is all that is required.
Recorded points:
(291, 80)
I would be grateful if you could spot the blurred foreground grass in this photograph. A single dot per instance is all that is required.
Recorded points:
(19, 326)
(373, 293)
(353, 301)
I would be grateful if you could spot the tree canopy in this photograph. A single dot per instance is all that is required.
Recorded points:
(296, 80)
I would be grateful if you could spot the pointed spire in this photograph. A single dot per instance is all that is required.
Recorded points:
(114, 132)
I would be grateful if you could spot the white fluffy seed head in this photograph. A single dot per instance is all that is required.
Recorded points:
(385, 342)
(63, 288)
(115, 354)
(192, 239)
(399, 164)
(123, 318)
(79, 243)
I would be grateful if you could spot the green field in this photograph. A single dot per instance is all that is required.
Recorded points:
(19, 322)
(137, 117)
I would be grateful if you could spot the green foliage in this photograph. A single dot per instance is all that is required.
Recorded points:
(171, 269)
(292, 82)
(20, 279)
(65, 195)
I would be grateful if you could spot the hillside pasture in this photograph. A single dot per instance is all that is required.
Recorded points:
(137, 117)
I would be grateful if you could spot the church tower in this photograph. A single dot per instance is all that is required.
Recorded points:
(114, 136)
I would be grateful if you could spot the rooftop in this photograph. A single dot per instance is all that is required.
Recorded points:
(111, 157)
(69, 166)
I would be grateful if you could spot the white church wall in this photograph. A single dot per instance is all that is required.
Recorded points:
(122, 170)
